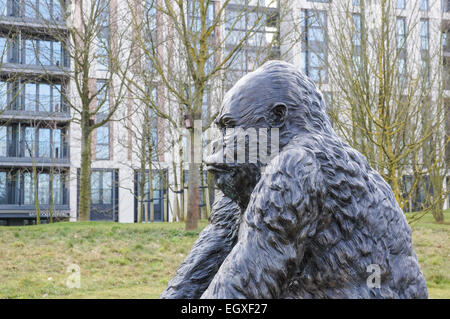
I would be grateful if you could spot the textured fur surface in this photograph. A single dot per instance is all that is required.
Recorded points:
(209, 251)
(318, 216)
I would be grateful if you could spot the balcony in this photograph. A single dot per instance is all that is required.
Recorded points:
(37, 116)
(34, 70)
(16, 156)
(32, 14)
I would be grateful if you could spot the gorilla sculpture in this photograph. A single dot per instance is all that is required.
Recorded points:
(313, 222)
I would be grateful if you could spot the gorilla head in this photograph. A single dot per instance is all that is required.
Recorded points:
(276, 95)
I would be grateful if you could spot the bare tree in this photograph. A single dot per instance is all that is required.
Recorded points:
(93, 45)
(384, 78)
(194, 57)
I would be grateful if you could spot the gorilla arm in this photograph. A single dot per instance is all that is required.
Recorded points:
(213, 245)
(282, 214)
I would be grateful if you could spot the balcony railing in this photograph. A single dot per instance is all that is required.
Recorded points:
(17, 155)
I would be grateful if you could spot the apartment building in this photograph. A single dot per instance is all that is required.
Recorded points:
(40, 150)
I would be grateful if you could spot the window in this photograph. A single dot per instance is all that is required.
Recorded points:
(43, 188)
(30, 97)
(40, 9)
(4, 45)
(3, 141)
(29, 140)
(150, 34)
(103, 37)
(57, 190)
(157, 198)
(30, 9)
(18, 184)
(3, 95)
(356, 2)
(101, 187)
(31, 51)
(424, 45)
(28, 189)
(44, 100)
(401, 48)
(40, 97)
(423, 5)
(260, 25)
(102, 146)
(43, 52)
(8, 188)
(3, 188)
(401, 4)
(314, 47)
(153, 119)
(356, 39)
(57, 143)
(44, 142)
(3, 7)
(445, 5)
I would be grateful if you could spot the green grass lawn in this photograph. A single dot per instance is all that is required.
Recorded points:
(136, 261)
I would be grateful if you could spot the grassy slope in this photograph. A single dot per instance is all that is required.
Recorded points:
(136, 261)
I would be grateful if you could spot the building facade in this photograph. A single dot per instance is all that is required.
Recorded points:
(40, 149)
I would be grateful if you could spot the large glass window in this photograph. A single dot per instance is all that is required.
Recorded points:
(103, 36)
(20, 184)
(3, 188)
(424, 46)
(314, 46)
(446, 5)
(3, 50)
(41, 9)
(28, 189)
(29, 142)
(101, 187)
(30, 97)
(423, 5)
(43, 52)
(156, 199)
(42, 97)
(3, 7)
(3, 95)
(102, 146)
(57, 190)
(8, 188)
(57, 143)
(356, 39)
(3, 141)
(103, 132)
(44, 101)
(44, 142)
(43, 188)
(401, 47)
(95, 187)
(31, 51)
(401, 4)
(30, 9)
(244, 19)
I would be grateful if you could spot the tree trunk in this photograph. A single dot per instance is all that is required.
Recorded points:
(85, 175)
(35, 189)
(50, 199)
(194, 177)
(152, 206)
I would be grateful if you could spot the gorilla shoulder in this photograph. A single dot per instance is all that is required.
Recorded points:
(286, 199)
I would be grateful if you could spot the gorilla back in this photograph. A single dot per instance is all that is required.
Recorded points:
(319, 221)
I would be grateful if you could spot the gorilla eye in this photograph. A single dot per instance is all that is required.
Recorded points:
(227, 122)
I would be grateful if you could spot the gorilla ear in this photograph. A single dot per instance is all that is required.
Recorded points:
(277, 115)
